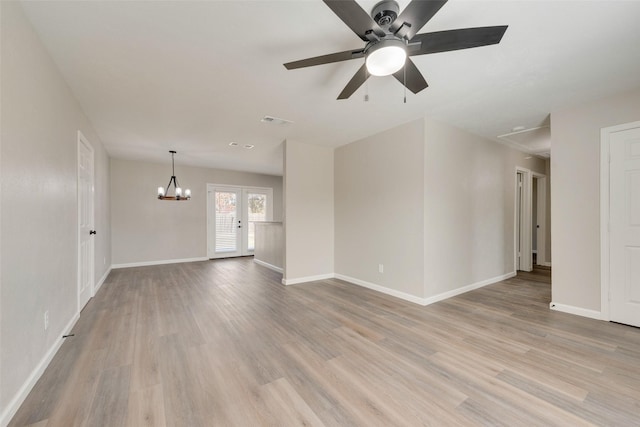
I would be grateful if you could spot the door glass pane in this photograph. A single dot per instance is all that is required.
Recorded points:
(226, 221)
(257, 211)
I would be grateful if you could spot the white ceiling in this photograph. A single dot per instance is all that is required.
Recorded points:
(194, 76)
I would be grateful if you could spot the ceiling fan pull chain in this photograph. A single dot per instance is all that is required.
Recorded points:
(404, 72)
(366, 87)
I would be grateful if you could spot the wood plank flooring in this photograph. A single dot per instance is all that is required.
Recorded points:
(223, 343)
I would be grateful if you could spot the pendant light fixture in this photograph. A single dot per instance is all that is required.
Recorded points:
(178, 194)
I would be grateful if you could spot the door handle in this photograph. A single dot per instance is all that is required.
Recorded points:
(92, 232)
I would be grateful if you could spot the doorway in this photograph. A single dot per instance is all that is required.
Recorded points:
(86, 232)
(231, 216)
(538, 222)
(620, 223)
(530, 220)
(522, 230)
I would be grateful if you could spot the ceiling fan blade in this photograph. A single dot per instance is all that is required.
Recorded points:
(464, 38)
(356, 81)
(415, 82)
(325, 59)
(355, 17)
(414, 17)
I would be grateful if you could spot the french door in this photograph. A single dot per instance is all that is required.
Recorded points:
(231, 216)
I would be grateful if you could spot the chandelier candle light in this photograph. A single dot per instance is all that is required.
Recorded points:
(164, 194)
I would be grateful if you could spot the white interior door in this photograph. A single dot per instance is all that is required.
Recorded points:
(624, 214)
(232, 213)
(86, 231)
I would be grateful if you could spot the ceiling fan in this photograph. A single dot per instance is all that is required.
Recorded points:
(390, 38)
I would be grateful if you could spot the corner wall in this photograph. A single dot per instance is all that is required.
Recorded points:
(575, 198)
(469, 202)
(38, 232)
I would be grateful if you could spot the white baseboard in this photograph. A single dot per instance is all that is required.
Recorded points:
(545, 263)
(382, 289)
(269, 266)
(404, 295)
(165, 261)
(307, 279)
(578, 311)
(24, 391)
(101, 281)
(424, 301)
(467, 288)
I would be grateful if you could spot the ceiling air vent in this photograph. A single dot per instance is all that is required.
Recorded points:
(275, 121)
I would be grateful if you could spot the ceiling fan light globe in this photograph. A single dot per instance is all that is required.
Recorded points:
(386, 59)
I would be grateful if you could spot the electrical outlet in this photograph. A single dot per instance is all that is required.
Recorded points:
(380, 268)
(46, 320)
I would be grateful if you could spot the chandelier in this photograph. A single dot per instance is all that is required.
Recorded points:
(164, 194)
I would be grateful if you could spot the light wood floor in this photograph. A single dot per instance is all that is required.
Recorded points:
(224, 343)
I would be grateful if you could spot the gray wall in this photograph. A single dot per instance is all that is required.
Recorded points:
(145, 229)
(379, 209)
(270, 243)
(469, 207)
(308, 218)
(38, 234)
(575, 199)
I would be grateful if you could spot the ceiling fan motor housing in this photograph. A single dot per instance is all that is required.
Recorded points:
(385, 12)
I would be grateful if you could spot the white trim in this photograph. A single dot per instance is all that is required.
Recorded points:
(425, 301)
(102, 280)
(578, 311)
(307, 279)
(382, 289)
(35, 375)
(269, 266)
(403, 295)
(545, 264)
(467, 288)
(605, 135)
(161, 262)
(525, 226)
